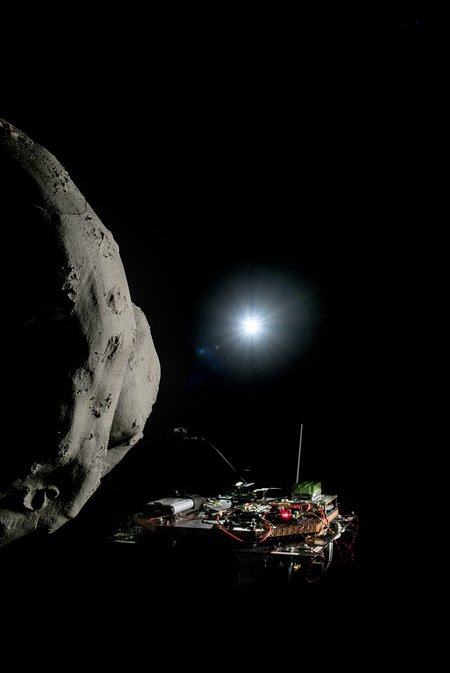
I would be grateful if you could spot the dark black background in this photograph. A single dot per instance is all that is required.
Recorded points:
(298, 151)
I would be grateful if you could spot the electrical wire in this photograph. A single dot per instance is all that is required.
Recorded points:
(349, 554)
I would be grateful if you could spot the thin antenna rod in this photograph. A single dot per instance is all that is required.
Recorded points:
(299, 453)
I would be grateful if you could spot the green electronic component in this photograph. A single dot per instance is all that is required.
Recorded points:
(307, 489)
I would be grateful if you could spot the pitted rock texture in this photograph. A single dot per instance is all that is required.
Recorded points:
(81, 373)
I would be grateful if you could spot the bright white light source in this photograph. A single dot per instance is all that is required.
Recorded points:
(251, 326)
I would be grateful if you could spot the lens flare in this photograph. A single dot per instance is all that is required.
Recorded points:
(251, 326)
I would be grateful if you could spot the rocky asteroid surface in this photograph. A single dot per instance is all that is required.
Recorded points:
(80, 370)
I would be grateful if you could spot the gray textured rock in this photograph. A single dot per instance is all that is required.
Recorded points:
(80, 370)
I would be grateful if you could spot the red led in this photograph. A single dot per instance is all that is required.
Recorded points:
(285, 513)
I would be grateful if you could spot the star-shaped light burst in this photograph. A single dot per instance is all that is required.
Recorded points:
(258, 319)
(252, 326)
